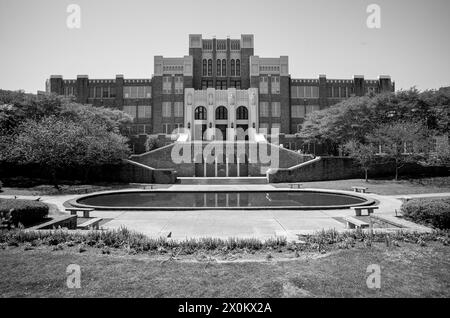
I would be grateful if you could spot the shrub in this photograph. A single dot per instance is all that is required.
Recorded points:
(430, 211)
(26, 212)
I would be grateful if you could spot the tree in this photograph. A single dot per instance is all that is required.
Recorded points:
(354, 118)
(152, 143)
(402, 142)
(56, 143)
(364, 154)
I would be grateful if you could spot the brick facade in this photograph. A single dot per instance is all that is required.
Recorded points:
(297, 97)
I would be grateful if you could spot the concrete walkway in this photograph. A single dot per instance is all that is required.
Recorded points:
(261, 224)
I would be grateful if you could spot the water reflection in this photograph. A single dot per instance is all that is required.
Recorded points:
(219, 199)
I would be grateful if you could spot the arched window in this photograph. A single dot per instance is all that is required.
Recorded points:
(218, 68)
(221, 113)
(232, 68)
(209, 67)
(224, 67)
(205, 70)
(241, 113)
(200, 113)
(238, 67)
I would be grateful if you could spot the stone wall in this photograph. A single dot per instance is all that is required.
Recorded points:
(338, 168)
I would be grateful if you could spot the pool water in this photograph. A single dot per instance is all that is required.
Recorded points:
(229, 199)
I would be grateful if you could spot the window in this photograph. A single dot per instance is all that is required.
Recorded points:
(263, 85)
(298, 111)
(205, 70)
(233, 68)
(200, 113)
(137, 92)
(178, 109)
(264, 109)
(167, 85)
(166, 129)
(224, 67)
(221, 113)
(209, 67)
(144, 111)
(179, 84)
(238, 67)
(68, 91)
(219, 68)
(275, 85)
(276, 109)
(241, 113)
(98, 92)
(311, 108)
(305, 92)
(112, 92)
(130, 110)
(91, 92)
(236, 84)
(105, 92)
(167, 109)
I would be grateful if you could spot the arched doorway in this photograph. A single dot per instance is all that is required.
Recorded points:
(242, 123)
(200, 116)
(221, 122)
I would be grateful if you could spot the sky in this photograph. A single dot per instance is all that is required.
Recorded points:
(328, 37)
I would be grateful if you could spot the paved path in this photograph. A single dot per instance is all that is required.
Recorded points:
(262, 224)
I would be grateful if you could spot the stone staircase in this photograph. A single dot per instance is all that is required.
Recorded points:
(222, 180)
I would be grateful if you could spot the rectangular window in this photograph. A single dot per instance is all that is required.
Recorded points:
(137, 92)
(275, 85)
(91, 92)
(144, 111)
(167, 85)
(311, 108)
(305, 92)
(105, 92)
(98, 92)
(166, 129)
(166, 109)
(130, 110)
(264, 109)
(178, 109)
(276, 109)
(179, 85)
(298, 111)
(263, 85)
(112, 92)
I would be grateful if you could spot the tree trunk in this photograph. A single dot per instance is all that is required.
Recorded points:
(54, 179)
(396, 170)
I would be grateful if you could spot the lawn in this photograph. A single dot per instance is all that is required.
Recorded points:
(406, 271)
(385, 187)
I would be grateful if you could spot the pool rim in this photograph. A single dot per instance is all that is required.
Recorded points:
(368, 200)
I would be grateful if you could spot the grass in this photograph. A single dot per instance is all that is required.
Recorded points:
(406, 271)
(385, 187)
(65, 189)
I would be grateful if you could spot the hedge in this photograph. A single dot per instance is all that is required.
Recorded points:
(435, 212)
(26, 212)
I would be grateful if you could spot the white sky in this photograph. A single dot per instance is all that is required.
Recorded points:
(319, 36)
